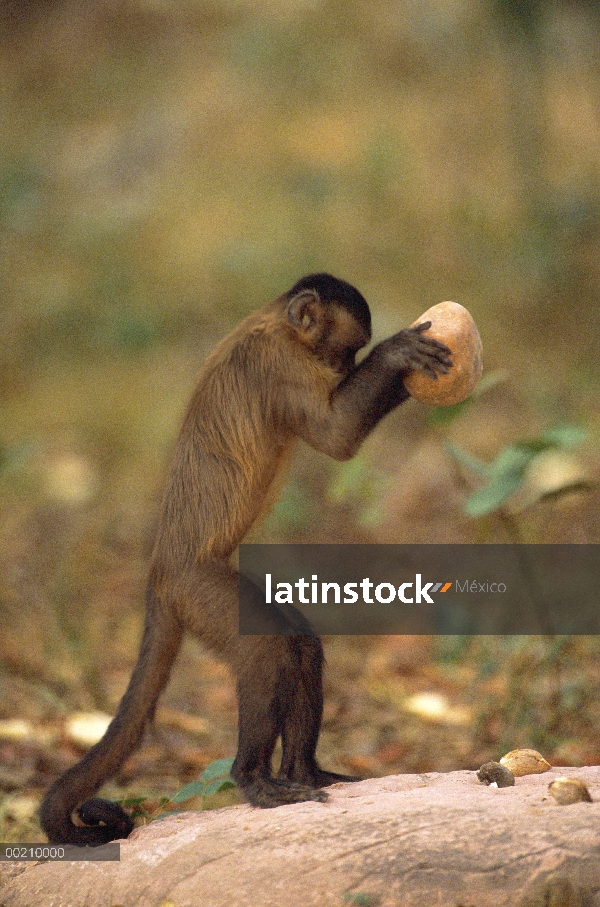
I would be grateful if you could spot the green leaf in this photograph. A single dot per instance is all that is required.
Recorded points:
(214, 787)
(565, 435)
(348, 481)
(16, 456)
(370, 516)
(512, 461)
(139, 812)
(439, 416)
(506, 473)
(561, 436)
(490, 380)
(443, 415)
(194, 789)
(131, 801)
(293, 511)
(466, 459)
(213, 779)
(361, 899)
(492, 496)
(217, 769)
(506, 476)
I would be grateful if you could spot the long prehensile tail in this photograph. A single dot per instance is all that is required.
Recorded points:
(106, 821)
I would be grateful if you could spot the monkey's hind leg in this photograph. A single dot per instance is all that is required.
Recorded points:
(302, 721)
(266, 671)
(265, 693)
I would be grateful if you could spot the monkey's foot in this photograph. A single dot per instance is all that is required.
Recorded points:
(270, 792)
(324, 779)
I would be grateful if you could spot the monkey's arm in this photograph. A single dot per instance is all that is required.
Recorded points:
(371, 390)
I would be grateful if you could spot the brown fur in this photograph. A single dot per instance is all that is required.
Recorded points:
(287, 371)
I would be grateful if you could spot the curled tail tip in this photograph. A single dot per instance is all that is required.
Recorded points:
(106, 817)
(104, 820)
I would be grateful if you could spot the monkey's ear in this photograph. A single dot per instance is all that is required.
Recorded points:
(304, 310)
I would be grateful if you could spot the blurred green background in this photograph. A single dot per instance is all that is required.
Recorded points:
(166, 166)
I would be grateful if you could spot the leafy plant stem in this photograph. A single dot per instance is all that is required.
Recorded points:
(513, 531)
(552, 657)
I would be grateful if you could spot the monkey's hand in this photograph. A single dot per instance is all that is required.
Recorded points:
(371, 390)
(409, 351)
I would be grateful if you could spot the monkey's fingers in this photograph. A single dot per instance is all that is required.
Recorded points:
(433, 365)
(436, 359)
(430, 343)
(324, 778)
(410, 339)
(278, 791)
(420, 328)
(433, 370)
(441, 362)
(432, 354)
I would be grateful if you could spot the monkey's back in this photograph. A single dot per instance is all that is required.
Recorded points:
(232, 443)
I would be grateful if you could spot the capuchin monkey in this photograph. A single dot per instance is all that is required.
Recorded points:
(288, 371)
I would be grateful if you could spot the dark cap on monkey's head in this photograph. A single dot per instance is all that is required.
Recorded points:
(332, 289)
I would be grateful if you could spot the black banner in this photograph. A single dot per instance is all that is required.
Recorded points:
(419, 589)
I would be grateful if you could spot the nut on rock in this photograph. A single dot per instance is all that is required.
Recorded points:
(525, 762)
(569, 790)
(453, 325)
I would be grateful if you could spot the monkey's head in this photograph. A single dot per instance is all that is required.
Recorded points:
(330, 317)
